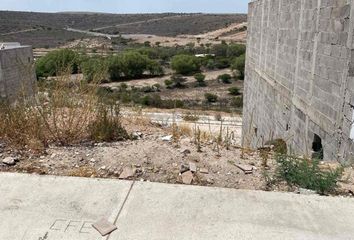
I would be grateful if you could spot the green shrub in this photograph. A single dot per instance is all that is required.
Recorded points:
(168, 83)
(58, 62)
(239, 65)
(211, 98)
(132, 64)
(307, 174)
(235, 91)
(220, 50)
(94, 69)
(225, 78)
(176, 81)
(236, 50)
(200, 78)
(237, 102)
(222, 62)
(185, 64)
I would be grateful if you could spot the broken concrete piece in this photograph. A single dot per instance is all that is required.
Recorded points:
(184, 168)
(167, 138)
(10, 161)
(137, 135)
(193, 167)
(204, 171)
(127, 173)
(104, 227)
(187, 177)
(247, 169)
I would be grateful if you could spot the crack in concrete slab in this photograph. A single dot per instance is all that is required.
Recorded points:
(121, 208)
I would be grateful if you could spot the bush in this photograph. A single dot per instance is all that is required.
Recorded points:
(211, 98)
(225, 78)
(176, 81)
(58, 62)
(107, 126)
(169, 83)
(239, 65)
(237, 102)
(234, 91)
(220, 50)
(200, 78)
(94, 69)
(185, 64)
(130, 65)
(236, 50)
(222, 63)
(307, 174)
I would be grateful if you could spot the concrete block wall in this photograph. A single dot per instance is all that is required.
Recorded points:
(300, 75)
(17, 76)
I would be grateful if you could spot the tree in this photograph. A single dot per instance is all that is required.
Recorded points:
(133, 64)
(58, 62)
(185, 64)
(239, 65)
(94, 69)
(220, 50)
(115, 68)
(236, 50)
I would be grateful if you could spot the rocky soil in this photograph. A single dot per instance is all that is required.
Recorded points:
(155, 156)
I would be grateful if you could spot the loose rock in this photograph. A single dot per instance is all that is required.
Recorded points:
(184, 168)
(10, 161)
(127, 173)
(167, 138)
(187, 177)
(193, 167)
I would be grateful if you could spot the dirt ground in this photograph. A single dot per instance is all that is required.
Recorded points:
(150, 158)
(213, 37)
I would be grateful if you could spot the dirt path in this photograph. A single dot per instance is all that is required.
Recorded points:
(144, 21)
(21, 31)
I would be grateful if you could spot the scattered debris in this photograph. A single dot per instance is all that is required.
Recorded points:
(184, 168)
(247, 169)
(304, 191)
(137, 135)
(204, 171)
(167, 138)
(187, 177)
(192, 167)
(127, 173)
(10, 161)
(104, 227)
(186, 151)
(210, 181)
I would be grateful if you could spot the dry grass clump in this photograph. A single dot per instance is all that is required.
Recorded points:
(66, 112)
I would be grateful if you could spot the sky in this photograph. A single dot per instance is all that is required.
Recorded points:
(127, 6)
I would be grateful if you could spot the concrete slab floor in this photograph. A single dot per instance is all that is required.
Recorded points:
(46, 207)
(56, 208)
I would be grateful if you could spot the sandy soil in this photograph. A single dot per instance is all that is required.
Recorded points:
(213, 37)
(209, 76)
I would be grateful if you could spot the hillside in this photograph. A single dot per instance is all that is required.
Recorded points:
(48, 29)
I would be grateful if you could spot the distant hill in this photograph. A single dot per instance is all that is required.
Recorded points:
(47, 29)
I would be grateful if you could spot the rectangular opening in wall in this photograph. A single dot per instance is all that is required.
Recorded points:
(317, 148)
